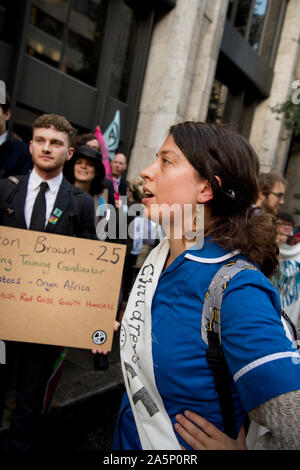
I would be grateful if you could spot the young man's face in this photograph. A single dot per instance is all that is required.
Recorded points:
(49, 149)
(275, 199)
(4, 117)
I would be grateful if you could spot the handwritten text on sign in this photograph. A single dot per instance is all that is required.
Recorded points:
(58, 290)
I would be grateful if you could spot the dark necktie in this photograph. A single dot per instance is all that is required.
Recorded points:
(38, 215)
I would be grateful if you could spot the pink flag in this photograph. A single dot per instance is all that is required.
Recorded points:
(105, 154)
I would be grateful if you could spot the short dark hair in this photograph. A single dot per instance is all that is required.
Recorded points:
(82, 139)
(286, 217)
(60, 123)
(267, 181)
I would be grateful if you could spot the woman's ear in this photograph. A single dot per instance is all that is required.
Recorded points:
(219, 180)
(205, 192)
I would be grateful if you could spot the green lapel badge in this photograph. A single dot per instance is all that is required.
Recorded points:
(55, 216)
(57, 212)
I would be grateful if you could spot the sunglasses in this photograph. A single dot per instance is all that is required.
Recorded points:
(278, 195)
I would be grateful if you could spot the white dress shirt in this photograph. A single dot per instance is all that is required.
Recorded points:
(32, 191)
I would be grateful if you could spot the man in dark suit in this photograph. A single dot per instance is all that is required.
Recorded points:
(42, 201)
(15, 158)
(118, 166)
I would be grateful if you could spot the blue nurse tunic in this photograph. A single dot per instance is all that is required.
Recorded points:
(260, 358)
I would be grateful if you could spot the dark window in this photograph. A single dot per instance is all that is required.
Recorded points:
(68, 34)
(85, 35)
(249, 18)
(242, 15)
(230, 9)
(217, 102)
(272, 28)
(257, 23)
(46, 29)
(7, 15)
(124, 55)
(2, 17)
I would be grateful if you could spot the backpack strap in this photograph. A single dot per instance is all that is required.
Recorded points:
(211, 319)
(211, 335)
(292, 331)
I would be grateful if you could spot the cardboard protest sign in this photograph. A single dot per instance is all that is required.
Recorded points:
(58, 289)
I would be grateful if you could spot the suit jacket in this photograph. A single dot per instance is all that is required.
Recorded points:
(111, 192)
(77, 211)
(15, 158)
(123, 187)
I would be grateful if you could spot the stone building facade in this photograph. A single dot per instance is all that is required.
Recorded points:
(179, 76)
(189, 50)
(156, 62)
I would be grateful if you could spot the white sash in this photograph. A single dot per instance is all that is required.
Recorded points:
(153, 423)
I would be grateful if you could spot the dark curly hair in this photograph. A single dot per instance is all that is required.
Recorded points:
(83, 139)
(218, 150)
(60, 123)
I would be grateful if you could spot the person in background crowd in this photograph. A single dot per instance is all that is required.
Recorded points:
(272, 188)
(163, 355)
(86, 171)
(142, 237)
(42, 201)
(296, 237)
(113, 199)
(287, 277)
(118, 167)
(135, 195)
(91, 141)
(15, 158)
(285, 224)
(88, 139)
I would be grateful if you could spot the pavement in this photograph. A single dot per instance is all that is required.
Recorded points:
(86, 403)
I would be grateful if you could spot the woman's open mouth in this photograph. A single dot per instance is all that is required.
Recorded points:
(148, 195)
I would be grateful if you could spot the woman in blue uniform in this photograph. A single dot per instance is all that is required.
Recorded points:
(205, 176)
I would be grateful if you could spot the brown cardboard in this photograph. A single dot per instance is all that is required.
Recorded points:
(58, 289)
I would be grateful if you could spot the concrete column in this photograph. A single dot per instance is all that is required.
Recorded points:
(204, 67)
(267, 131)
(180, 71)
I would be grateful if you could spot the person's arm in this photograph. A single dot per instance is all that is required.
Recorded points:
(203, 435)
(263, 362)
(281, 415)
